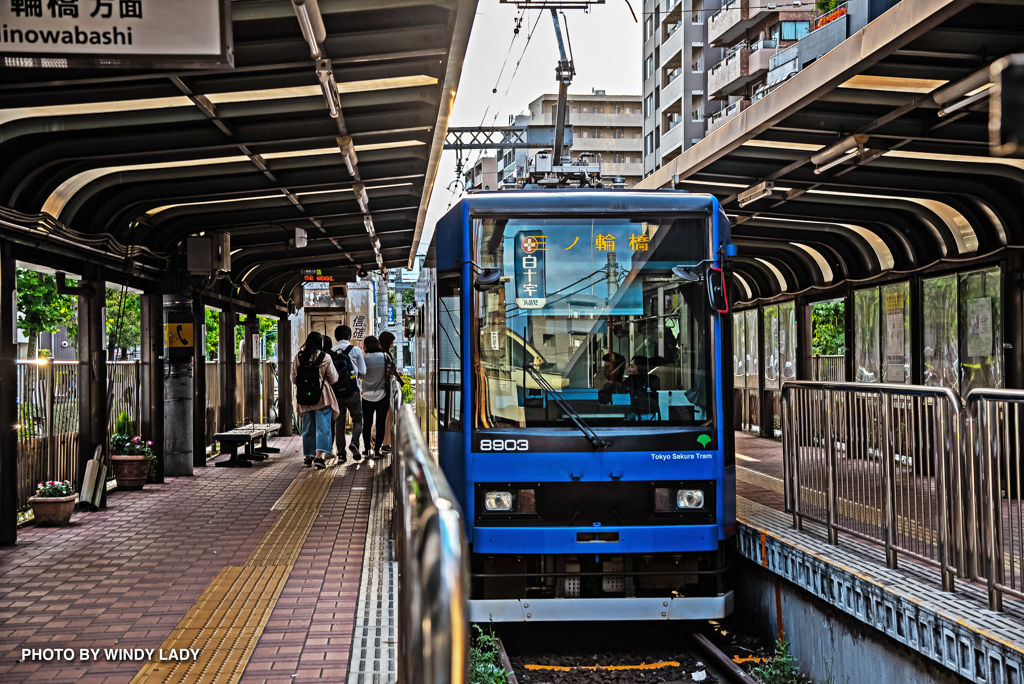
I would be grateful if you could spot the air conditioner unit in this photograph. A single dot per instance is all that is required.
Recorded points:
(206, 255)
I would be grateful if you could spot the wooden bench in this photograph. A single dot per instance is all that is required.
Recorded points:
(246, 437)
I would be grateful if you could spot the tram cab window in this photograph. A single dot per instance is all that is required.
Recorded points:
(589, 312)
(449, 336)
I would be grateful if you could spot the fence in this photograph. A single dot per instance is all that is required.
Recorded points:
(430, 546)
(877, 462)
(993, 434)
(830, 368)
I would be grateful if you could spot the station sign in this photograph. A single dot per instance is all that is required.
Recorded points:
(121, 34)
(315, 275)
(530, 267)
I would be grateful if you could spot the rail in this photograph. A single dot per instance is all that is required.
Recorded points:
(880, 462)
(993, 434)
(430, 547)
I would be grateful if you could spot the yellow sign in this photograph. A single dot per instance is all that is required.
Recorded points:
(178, 335)
(605, 243)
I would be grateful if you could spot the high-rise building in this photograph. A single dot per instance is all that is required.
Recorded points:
(676, 57)
(754, 36)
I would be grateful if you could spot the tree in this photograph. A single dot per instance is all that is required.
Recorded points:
(828, 322)
(41, 309)
(124, 322)
(212, 334)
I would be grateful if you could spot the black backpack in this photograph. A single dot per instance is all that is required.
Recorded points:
(346, 385)
(309, 383)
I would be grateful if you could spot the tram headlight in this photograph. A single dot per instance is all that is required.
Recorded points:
(498, 501)
(690, 498)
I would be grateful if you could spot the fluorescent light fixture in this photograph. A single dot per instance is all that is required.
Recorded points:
(325, 74)
(963, 88)
(840, 149)
(368, 223)
(981, 94)
(312, 25)
(837, 161)
(348, 151)
(361, 197)
(893, 84)
(755, 192)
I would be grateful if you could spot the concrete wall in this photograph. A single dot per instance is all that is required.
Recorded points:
(824, 640)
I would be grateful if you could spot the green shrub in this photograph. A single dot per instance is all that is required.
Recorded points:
(780, 668)
(484, 662)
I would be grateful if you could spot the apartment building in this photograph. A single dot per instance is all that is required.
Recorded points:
(483, 174)
(609, 126)
(752, 34)
(676, 57)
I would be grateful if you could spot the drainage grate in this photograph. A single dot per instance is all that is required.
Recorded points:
(226, 622)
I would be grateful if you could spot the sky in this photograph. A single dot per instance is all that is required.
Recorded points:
(606, 47)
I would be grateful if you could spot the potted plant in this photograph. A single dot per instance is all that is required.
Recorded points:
(53, 504)
(132, 459)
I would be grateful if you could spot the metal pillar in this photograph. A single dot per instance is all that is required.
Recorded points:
(8, 400)
(804, 337)
(250, 370)
(228, 418)
(180, 335)
(284, 375)
(199, 383)
(92, 374)
(152, 412)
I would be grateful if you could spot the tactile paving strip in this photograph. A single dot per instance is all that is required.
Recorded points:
(226, 622)
(374, 658)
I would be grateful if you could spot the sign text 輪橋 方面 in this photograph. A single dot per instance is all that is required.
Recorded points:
(115, 33)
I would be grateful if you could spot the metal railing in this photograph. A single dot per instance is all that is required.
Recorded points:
(880, 462)
(993, 441)
(430, 547)
(831, 368)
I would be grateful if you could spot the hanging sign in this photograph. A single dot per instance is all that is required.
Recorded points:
(895, 339)
(529, 250)
(118, 34)
(315, 275)
(979, 327)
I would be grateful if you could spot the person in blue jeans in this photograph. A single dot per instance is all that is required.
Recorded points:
(317, 419)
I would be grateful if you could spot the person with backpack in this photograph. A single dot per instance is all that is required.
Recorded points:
(312, 375)
(348, 361)
(387, 341)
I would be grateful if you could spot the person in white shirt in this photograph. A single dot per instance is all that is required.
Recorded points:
(353, 403)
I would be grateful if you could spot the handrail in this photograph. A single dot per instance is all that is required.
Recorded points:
(432, 555)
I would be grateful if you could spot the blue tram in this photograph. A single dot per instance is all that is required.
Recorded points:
(570, 381)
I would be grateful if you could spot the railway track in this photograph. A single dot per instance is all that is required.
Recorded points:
(625, 653)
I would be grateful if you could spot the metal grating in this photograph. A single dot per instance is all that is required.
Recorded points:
(374, 649)
(226, 622)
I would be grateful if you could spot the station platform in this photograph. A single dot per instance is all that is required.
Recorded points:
(953, 629)
(275, 573)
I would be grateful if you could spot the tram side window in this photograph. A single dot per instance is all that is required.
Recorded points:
(449, 336)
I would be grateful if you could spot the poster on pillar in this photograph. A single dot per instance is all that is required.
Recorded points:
(179, 340)
(122, 34)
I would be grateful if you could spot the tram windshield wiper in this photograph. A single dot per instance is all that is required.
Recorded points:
(587, 431)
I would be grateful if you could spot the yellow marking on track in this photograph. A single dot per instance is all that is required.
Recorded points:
(641, 666)
(748, 659)
(228, 619)
(747, 458)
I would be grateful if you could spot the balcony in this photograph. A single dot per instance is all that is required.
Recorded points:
(718, 119)
(739, 68)
(735, 17)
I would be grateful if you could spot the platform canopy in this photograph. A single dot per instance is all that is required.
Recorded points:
(878, 155)
(111, 170)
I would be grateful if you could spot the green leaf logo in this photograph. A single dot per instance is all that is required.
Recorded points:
(704, 440)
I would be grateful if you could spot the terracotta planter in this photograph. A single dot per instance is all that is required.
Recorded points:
(53, 511)
(130, 471)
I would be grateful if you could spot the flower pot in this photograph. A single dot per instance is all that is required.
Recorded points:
(130, 471)
(52, 511)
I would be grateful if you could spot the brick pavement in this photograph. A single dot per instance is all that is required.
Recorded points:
(123, 577)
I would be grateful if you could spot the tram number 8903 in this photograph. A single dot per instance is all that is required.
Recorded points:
(504, 445)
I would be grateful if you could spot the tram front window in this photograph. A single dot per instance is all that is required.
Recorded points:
(590, 310)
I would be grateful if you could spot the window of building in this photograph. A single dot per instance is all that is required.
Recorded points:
(573, 110)
(697, 14)
(649, 144)
(648, 105)
(637, 136)
(794, 30)
(598, 110)
(648, 29)
(584, 110)
(657, 97)
(597, 133)
(583, 132)
(648, 67)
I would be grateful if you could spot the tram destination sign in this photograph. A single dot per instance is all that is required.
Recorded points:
(121, 34)
(530, 268)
